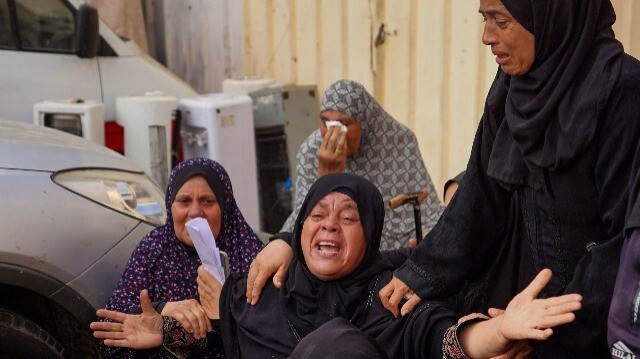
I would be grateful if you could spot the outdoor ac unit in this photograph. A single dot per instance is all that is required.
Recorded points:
(78, 117)
(146, 120)
(284, 115)
(220, 126)
(246, 85)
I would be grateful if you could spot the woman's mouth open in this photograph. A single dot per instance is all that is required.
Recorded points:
(327, 248)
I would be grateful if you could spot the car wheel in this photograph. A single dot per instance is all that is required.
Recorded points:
(22, 338)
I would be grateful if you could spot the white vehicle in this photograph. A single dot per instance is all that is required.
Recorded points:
(60, 49)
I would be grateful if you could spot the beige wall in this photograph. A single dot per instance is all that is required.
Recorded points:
(432, 71)
(125, 17)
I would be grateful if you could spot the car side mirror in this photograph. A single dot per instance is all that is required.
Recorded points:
(87, 32)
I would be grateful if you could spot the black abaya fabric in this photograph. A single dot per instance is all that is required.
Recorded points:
(565, 145)
(338, 339)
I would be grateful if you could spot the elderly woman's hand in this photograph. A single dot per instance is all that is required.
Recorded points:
(209, 290)
(332, 154)
(528, 317)
(391, 295)
(142, 331)
(191, 316)
(274, 258)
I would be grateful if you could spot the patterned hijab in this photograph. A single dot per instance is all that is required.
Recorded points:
(236, 237)
(388, 156)
(165, 266)
(551, 113)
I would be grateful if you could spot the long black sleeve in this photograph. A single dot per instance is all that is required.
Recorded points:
(468, 231)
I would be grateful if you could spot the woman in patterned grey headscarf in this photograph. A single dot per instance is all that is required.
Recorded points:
(376, 147)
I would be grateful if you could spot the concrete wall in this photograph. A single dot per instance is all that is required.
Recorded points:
(431, 72)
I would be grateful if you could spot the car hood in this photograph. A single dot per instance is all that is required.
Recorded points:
(22, 146)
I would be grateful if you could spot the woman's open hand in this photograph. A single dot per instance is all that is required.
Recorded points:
(191, 316)
(142, 331)
(391, 295)
(274, 258)
(527, 317)
(332, 154)
(209, 289)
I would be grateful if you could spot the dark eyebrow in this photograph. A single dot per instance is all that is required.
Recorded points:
(489, 12)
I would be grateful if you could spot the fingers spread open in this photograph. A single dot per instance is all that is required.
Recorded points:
(116, 343)
(495, 312)
(106, 326)
(563, 308)
(538, 283)
(112, 315)
(556, 320)
(568, 298)
(145, 303)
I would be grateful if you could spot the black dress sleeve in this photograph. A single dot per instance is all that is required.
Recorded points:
(461, 244)
(397, 257)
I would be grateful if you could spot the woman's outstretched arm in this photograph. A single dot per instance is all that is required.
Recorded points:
(526, 317)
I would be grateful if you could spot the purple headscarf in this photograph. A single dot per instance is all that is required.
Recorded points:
(236, 237)
(166, 267)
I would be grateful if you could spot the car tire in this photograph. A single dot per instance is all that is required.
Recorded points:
(22, 338)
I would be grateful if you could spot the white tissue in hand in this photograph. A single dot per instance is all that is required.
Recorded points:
(205, 244)
(330, 124)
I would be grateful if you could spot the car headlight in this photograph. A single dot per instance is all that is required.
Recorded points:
(132, 194)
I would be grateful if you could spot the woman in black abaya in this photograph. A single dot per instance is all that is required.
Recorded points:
(560, 128)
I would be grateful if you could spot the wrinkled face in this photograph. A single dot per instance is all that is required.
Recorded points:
(354, 130)
(511, 43)
(195, 199)
(333, 241)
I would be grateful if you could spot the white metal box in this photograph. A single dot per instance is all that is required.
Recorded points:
(147, 131)
(75, 116)
(220, 126)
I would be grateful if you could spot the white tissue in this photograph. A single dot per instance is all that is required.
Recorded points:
(330, 124)
(205, 244)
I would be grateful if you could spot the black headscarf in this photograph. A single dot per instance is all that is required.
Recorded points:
(552, 111)
(309, 302)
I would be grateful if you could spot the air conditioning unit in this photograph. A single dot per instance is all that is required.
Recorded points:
(284, 116)
(75, 116)
(220, 126)
(146, 120)
(245, 85)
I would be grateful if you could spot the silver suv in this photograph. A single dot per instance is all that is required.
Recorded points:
(71, 213)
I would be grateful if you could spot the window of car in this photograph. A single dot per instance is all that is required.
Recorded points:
(46, 25)
(6, 35)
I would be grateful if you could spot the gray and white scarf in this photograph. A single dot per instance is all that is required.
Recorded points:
(388, 156)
